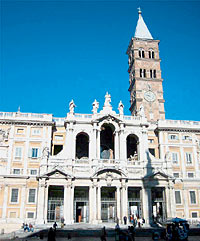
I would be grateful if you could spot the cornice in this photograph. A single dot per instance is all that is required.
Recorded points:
(26, 122)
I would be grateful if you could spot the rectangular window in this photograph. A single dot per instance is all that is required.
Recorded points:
(173, 137)
(187, 138)
(174, 157)
(192, 197)
(16, 171)
(151, 141)
(30, 215)
(31, 196)
(14, 195)
(154, 74)
(178, 197)
(176, 174)
(190, 174)
(18, 152)
(36, 131)
(59, 137)
(20, 131)
(194, 215)
(152, 151)
(151, 73)
(188, 158)
(33, 172)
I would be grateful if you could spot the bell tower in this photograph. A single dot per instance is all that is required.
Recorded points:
(145, 74)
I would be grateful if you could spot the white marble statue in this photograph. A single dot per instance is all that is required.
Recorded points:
(141, 111)
(121, 108)
(107, 100)
(95, 105)
(71, 107)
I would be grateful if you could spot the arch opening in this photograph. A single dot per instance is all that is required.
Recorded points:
(82, 146)
(132, 146)
(107, 141)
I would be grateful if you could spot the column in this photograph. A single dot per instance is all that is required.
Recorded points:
(98, 144)
(26, 151)
(160, 134)
(168, 202)
(92, 205)
(183, 163)
(118, 205)
(93, 143)
(5, 201)
(185, 201)
(99, 204)
(123, 148)
(23, 200)
(147, 205)
(67, 197)
(116, 145)
(124, 203)
(40, 202)
(46, 203)
(72, 204)
(172, 199)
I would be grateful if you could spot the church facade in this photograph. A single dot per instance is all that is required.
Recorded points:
(103, 166)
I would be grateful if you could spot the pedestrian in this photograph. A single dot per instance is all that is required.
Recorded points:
(51, 235)
(55, 226)
(125, 220)
(62, 222)
(31, 229)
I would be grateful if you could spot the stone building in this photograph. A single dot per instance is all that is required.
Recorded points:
(100, 167)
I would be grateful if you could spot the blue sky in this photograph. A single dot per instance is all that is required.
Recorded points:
(55, 51)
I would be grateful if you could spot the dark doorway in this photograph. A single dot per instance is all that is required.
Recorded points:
(82, 146)
(107, 141)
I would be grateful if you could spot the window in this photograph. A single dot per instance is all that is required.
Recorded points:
(152, 151)
(187, 138)
(190, 174)
(59, 137)
(141, 53)
(151, 141)
(34, 152)
(16, 171)
(142, 73)
(174, 157)
(151, 73)
(192, 197)
(30, 215)
(20, 131)
(154, 74)
(194, 215)
(33, 172)
(173, 137)
(36, 131)
(176, 174)
(151, 54)
(188, 158)
(31, 196)
(178, 197)
(18, 152)
(14, 195)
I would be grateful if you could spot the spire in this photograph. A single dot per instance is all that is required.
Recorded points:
(141, 30)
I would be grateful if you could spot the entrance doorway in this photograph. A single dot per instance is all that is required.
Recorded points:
(81, 205)
(134, 203)
(55, 209)
(158, 204)
(108, 204)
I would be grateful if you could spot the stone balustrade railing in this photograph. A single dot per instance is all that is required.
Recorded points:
(178, 123)
(25, 116)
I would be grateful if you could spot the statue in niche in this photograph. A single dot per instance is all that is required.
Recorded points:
(141, 111)
(71, 107)
(121, 108)
(45, 152)
(95, 105)
(107, 100)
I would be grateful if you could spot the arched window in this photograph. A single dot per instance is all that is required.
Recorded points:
(82, 146)
(107, 141)
(141, 53)
(151, 54)
(132, 146)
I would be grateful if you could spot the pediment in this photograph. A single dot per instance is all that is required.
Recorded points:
(113, 173)
(158, 175)
(108, 118)
(56, 173)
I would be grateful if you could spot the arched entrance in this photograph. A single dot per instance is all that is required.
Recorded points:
(82, 145)
(107, 141)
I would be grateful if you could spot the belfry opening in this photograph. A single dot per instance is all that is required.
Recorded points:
(107, 141)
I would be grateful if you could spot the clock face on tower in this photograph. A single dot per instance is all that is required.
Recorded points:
(149, 96)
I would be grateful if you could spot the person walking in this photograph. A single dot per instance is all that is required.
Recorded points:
(51, 235)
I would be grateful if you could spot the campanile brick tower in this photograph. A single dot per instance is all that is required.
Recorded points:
(145, 74)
